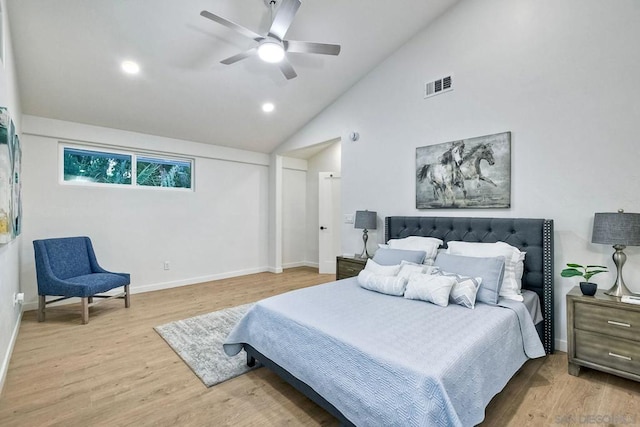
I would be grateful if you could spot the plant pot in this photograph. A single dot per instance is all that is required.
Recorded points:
(588, 288)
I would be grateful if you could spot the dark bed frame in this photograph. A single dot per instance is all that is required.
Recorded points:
(533, 236)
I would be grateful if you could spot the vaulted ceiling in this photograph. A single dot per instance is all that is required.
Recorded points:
(68, 55)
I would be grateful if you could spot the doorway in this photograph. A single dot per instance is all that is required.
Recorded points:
(329, 212)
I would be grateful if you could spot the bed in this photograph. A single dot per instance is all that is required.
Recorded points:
(372, 359)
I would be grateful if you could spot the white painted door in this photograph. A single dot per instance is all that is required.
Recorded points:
(329, 221)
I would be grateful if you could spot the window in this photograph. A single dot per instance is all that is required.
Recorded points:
(85, 166)
(163, 173)
(96, 166)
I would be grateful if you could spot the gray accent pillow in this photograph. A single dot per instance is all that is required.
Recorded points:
(387, 256)
(491, 270)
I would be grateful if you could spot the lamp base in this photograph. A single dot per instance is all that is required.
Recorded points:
(619, 288)
(618, 291)
(365, 237)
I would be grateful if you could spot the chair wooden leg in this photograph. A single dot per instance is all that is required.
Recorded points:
(85, 310)
(127, 300)
(41, 304)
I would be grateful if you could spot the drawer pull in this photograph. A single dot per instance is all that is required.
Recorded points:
(613, 322)
(619, 356)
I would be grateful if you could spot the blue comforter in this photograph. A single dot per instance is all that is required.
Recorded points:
(388, 361)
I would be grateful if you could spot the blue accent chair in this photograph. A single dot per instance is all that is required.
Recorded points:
(67, 268)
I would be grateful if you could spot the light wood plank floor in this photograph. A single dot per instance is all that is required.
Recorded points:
(116, 371)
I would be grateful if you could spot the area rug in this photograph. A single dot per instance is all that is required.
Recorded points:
(198, 341)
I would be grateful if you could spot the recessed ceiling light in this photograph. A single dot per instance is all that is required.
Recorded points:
(268, 107)
(130, 67)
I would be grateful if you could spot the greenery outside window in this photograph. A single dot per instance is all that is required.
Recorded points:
(96, 167)
(156, 172)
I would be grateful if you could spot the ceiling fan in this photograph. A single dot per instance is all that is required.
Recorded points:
(273, 47)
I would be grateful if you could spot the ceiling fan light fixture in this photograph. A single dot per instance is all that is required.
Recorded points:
(268, 107)
(130, 67)
(271, 51)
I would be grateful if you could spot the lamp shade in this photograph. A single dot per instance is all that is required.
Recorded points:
(366, 220)
(616, 229)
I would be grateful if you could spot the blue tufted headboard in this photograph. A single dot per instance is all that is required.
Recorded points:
(533, 236)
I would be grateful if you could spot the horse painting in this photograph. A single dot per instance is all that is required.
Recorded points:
(444, 174)
(445, 171)
(470, 167)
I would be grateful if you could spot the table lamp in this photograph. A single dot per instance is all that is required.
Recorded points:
(620, 230)
(366, 220)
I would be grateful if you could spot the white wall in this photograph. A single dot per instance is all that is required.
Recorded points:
(562, 76)
(220, 230)
(9, 253)
(294, 212)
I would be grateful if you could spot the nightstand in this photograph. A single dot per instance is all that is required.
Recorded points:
(603, 333)
(349, 266)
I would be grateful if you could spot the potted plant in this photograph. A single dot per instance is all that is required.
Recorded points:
(587, 272)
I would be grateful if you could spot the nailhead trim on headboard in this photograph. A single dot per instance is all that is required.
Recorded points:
(549, 341)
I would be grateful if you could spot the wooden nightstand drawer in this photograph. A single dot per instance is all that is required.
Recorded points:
(348, 267)
(607, 351)
(615, 322)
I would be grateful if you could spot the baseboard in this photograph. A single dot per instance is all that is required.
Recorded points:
(168, 285)
(561, 345)
(195, 280)
(300, 264)
(294, 264)
(4, 368)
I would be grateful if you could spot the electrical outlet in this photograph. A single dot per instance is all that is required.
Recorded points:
(18, 298)
(166, 265)
(348, 219)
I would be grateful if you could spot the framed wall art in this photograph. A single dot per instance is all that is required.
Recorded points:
(6, 190)
(469, 173)
(10, 179)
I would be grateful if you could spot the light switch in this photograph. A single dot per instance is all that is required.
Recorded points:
(348, 218)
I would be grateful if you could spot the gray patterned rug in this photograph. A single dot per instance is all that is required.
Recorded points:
(198, 341)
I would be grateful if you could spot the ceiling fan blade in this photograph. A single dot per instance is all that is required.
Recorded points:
(287, 69)
(235, 58)
(242, 30)
(284, 17)
(311, 47)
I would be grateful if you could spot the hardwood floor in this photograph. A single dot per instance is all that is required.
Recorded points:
(117, 371)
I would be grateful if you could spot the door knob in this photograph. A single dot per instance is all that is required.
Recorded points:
(322, 227)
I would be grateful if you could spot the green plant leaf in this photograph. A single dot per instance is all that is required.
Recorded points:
(597, 266)
(570, 272)
(575, 265)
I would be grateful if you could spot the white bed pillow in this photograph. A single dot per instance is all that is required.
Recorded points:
(382, 270)
(430, 287)
(513, 266)
(408, 268)
(465, 289)
(429, 245)
(390, 285)
(490, 269)
(389, 256)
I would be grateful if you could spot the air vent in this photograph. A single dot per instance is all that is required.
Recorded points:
(439, 86)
